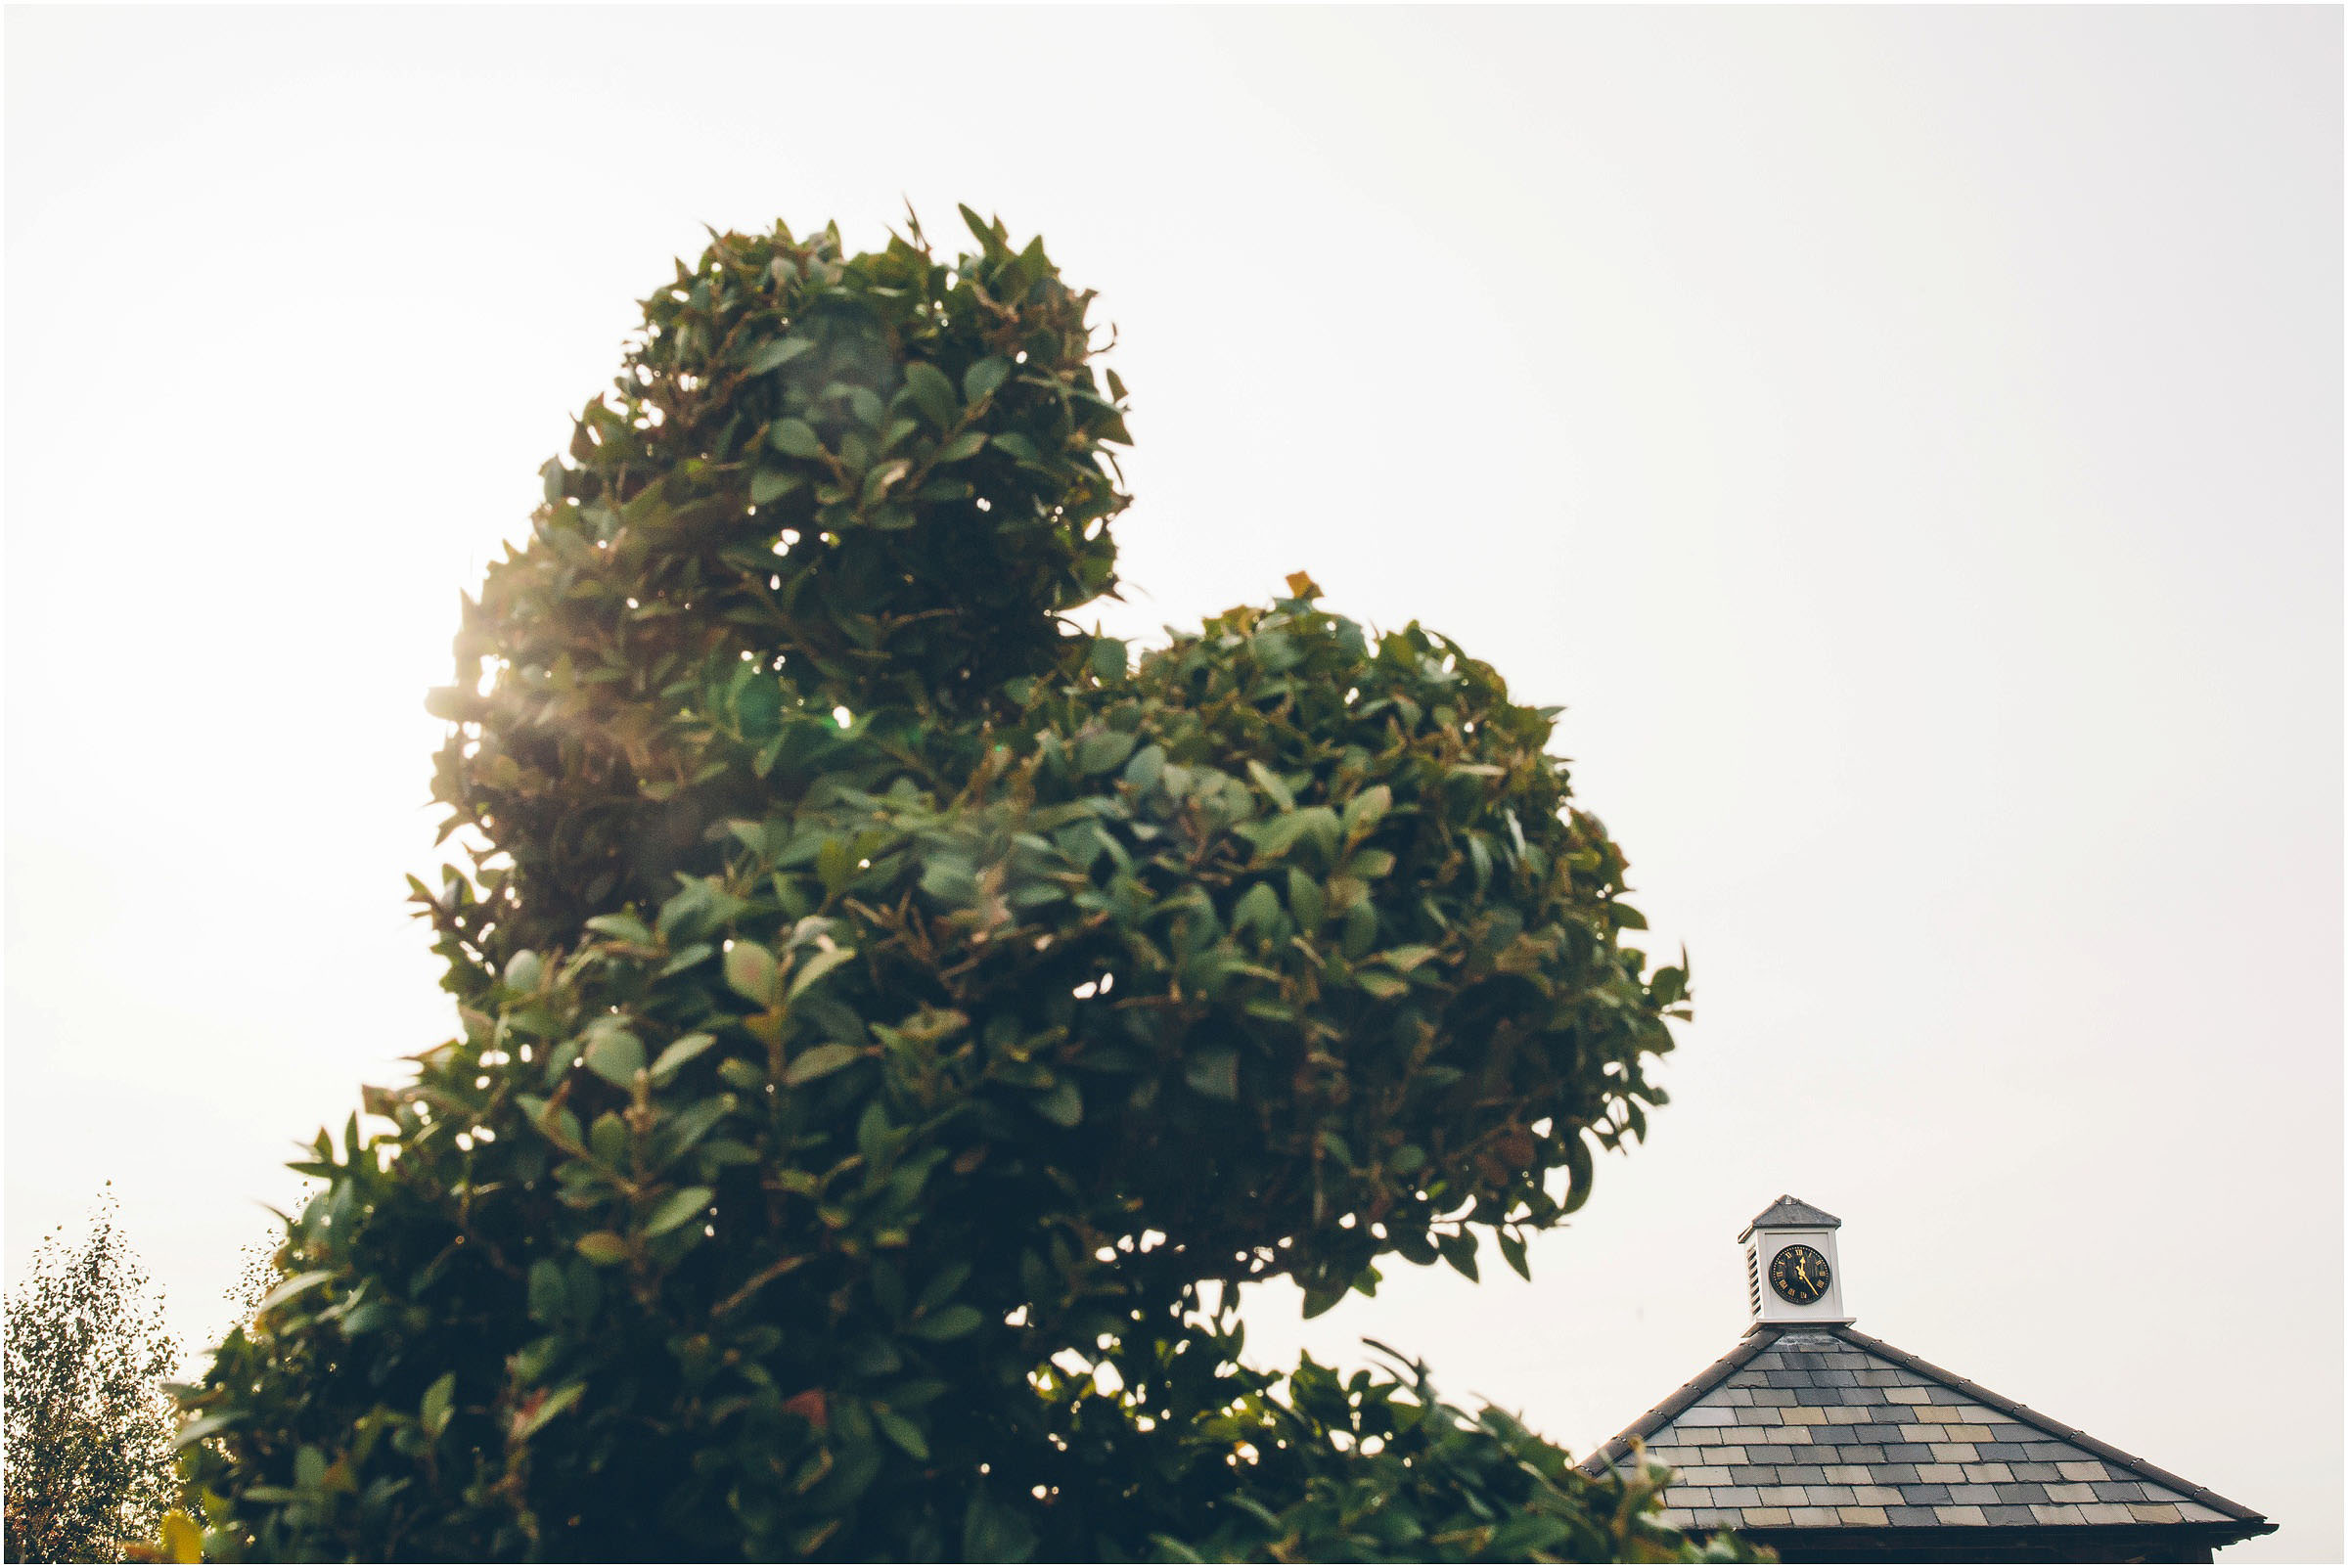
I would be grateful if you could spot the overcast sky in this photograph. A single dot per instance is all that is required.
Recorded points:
(1908, 443)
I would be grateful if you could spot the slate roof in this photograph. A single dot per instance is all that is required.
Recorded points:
(1791, 1213)
(1818, 1426)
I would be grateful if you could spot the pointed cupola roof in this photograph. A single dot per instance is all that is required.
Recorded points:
(1790, 1213)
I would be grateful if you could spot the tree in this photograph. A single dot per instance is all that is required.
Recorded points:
(89, 1428)
(893, 1019)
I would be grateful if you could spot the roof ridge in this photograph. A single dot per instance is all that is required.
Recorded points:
(2069, 1434)
(1757, 1339)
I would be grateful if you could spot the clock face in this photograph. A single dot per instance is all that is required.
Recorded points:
(1799, 1275)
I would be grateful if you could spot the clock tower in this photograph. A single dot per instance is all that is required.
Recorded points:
(1791, 1274)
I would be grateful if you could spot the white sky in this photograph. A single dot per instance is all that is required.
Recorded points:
(1909, 441)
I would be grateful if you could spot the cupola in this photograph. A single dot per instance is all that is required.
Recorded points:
(1791, 1273)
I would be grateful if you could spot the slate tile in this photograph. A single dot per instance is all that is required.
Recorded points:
(1789, 1379)
(2015, 1432)
(1769, 1452)
(1910, 1396)
(2071, 1492)
(1861, 1514)
(1720, 1455)
(1958, 1513)
(2106, 1513)
(1701, 1475)
(1877, 1496)
(1706, 1416)
(1909, 1453)
(1925, 1494)
(2025, 1492)
(1764, 1519)
(2007, 1513)
(1713, 1518)
(2154, 1513)
(2120, 1492)
(1753, 1475)
(1784, 1496)
(1816, 1518)
(1940, 1472)
(1891, 1475)
(1736, 1497)
(1831, 1494)
(2036, 1470)
(2058, 1513)
(1838, 1377)
(1988, 1473)
(1860, 1454)
(1953, 1452)
(1729, 1396)
(2000, 1450)
(1874, 1432)
(2195, 1513)
(2085, 1470)
(1795, 1436)
(1922, 1432)
(1910, 1518)
(1968, 1432)
(1847, 1476)
(2055, 1453)
(1688, 1497)
(1973, 1492)
(1879, 1377)
(2153, 1494)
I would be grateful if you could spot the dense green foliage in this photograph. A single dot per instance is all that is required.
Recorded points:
(894, 1021)
(89, 1430)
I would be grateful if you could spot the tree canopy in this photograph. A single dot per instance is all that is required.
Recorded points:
(89, 1429)
(895, 1021)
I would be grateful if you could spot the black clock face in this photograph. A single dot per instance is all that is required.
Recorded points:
(1799, 1275)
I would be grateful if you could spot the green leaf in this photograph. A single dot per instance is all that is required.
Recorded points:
(615, 1056)
(677, 1208)
(549, 1300)
(982, 380)
(439, 1400)
(523, 970)
(1365, 810)
(957, 1322)
(621, 928)
(1271, 784)
(1459, 1250)
(545, 1411)
(816, 967)
(1018, 446)
(796, 439)
(1214, 1073)
(1109, 657)
(680, 1051)
(204, 1426)
(969, 444)
(772, 484)
(931, 391)
(603, 1248)
(1063, 1106)
(752, 972)
(1512, 1247)
(774, 355)
(292, 1287)
(815, 1063)
(902, 1432)
(1102, 750)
